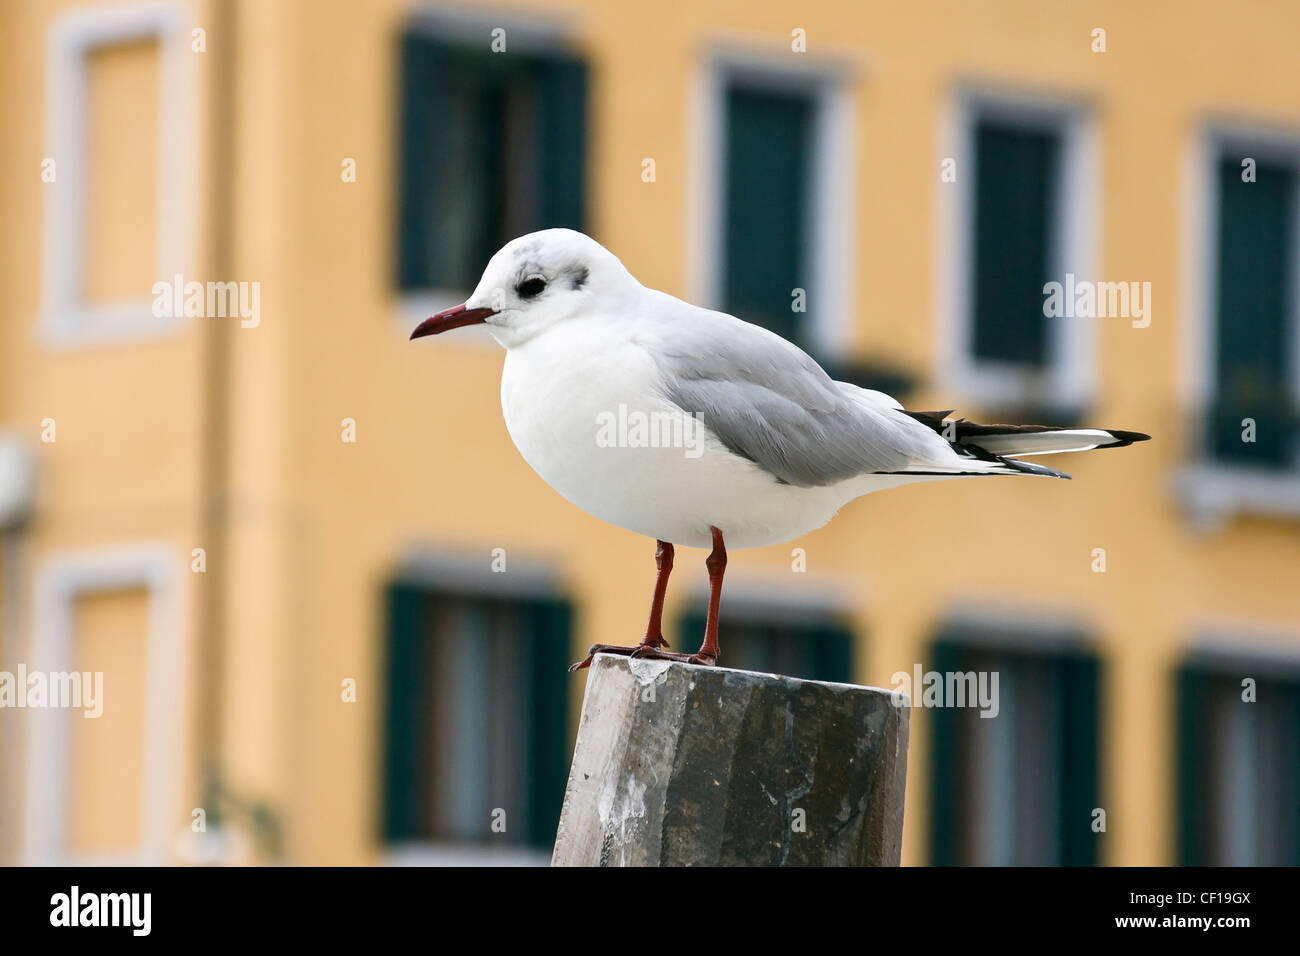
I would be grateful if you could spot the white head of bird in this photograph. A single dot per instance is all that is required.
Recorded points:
(536, 282)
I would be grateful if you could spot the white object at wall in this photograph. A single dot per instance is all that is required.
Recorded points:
(17, 480)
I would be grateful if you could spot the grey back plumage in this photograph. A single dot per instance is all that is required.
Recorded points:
(768, 401)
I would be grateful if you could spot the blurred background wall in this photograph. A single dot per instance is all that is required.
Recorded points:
(333, 607)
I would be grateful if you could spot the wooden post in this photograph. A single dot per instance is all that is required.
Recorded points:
(678, 765)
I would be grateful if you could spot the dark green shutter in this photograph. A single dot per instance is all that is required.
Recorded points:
(946, 771)
(420, 66)
(401, 814)
(765, 254)
(563, 145)
(1015, 182)
(1256, 258)
(1078, 684)
(690, 634)
(1080, 759)
(832, 658)
(1294, 776)
(457, 147)
(1191, 703)
(549, 745)
(821, 652)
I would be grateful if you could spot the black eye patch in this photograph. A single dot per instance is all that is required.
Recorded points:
(530, 287)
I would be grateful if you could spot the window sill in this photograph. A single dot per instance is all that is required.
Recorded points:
(453, 854)
(1213, 493)
(116, 324)
(1037, 396)
(890, 379)
(112, 860)
(414, 307)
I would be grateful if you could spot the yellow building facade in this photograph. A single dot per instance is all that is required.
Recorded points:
(222, 505)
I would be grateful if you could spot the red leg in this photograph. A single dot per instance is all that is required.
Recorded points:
(654, 635)
(717, 565)
(654, 630)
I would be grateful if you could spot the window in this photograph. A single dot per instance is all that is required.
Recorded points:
(105, 756)
(1257, 356)
(1243, 300)
(772, 197)
(1018, 788)
(1015, 185)
(1239, 764)
(1024, 179)
(768, 172)
(813, 647)
(103, 791)
(493, 147)
(476, 718)
(118, 209)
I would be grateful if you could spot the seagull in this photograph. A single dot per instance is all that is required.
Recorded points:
(696, 428)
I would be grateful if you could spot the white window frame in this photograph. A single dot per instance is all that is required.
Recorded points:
(1213, 491)
(832, 204)
(1070, 378)
(539, 36)
(67, 320)
(1271, 649)
(60, 582)
(1017, 629)
(759, 597)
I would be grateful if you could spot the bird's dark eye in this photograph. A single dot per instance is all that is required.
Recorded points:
(531, 286)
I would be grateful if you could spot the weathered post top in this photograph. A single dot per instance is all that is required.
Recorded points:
(677, 765)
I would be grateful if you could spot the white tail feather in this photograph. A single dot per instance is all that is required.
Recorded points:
(1019, 444)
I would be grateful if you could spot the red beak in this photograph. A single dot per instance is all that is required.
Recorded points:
(448, 319)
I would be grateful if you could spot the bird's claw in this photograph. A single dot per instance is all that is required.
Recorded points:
(641, 652)
(633, 651)
(600, 649)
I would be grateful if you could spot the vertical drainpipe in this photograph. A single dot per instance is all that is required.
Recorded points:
(17, 497)
(11, 647)
(215, 442)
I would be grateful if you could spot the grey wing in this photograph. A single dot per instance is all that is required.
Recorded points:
(768, 401)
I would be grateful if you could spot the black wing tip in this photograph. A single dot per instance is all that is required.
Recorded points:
(1123, 439)
(963, 430)
(1014, 467)
(1028, 468)
(929, 417)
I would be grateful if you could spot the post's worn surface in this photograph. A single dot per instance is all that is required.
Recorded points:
(678, 765)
